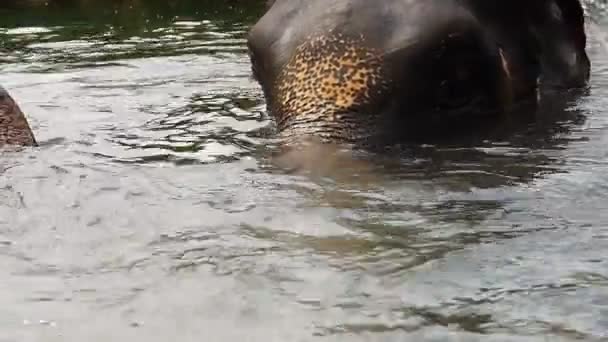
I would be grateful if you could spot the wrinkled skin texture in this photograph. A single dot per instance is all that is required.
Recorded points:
(14, 128)
(360, 70)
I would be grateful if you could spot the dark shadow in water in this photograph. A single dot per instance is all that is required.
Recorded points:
(512, 149)
(502, 153)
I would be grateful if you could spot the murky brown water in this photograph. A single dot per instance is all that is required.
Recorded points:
(155, 209)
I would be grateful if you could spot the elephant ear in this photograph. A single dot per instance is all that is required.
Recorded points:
(559, 30)
(574, 16)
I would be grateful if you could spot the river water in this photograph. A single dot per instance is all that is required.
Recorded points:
(157, 208)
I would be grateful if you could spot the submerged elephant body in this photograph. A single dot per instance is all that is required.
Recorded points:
(355, 70)
(14, 128)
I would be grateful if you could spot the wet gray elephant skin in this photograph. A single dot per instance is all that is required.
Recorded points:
(14, 128)
(360, 70)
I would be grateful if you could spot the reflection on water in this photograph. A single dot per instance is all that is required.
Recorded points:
(159, 205)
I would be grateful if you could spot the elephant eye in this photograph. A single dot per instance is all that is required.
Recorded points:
(456, 87)
(458, 71)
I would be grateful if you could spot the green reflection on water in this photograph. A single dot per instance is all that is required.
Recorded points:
(119, 30)
(128, 16)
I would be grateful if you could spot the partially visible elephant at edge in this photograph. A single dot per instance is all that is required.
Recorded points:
(14, 128)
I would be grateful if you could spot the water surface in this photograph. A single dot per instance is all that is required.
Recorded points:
(156, 208)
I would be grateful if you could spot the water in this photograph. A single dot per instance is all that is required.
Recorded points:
(157, 208)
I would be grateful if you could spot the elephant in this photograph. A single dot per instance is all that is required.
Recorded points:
(360, 71)
(14, 127)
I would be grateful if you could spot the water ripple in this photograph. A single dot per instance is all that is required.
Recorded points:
(159, 207)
